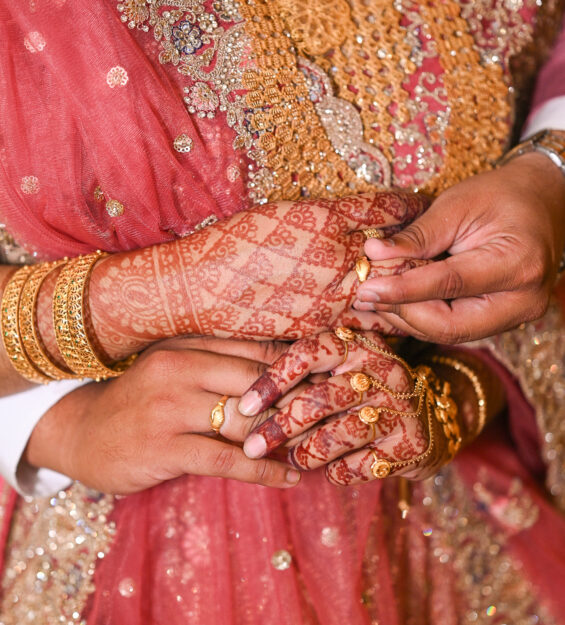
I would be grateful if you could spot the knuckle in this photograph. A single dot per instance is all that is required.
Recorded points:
(452, 285)
(414, 235)
(331, 475)
(257, 369)
(224, 461)
(160, 364)
(535, 269)
(264, 472)
(538, 308)
(159, 406)
(272, 350)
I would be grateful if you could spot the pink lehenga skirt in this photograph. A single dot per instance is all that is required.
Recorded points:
(483, 542)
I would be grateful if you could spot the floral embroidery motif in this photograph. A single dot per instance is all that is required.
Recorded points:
(30, 185)
(233, 173)
(515, 509)
(187, 38)
(117, 77)
(200, 99)
(183, 143)
(134, 13)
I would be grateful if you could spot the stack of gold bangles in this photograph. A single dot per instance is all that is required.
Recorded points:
(433, 400)
(20, 335)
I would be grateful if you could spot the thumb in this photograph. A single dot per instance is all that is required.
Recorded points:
(427, 237)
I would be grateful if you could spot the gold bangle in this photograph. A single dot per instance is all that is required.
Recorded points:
(28, 323)
(462, 368)
(443, 408)
(11, 329)
(70, 331)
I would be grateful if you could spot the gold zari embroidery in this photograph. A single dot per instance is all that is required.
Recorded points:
(371, 67)
(343, 96)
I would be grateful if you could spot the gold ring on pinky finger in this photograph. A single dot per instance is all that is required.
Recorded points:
(217, 416)
(380, 468)
(373, 233)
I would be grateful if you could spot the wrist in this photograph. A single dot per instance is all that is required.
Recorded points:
(127, 302)
(537, 170)
(52, 442)
(544, 182)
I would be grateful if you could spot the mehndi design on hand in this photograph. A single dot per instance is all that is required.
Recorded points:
(281, 270)
(375, 408)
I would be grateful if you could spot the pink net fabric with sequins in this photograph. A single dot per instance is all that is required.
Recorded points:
(90, 119)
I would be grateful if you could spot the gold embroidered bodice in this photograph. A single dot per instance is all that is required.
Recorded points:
(330, 97)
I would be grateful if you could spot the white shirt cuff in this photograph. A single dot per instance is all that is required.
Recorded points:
(19, 414)
(551, 114)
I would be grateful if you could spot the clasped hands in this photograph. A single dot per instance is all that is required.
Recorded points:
(153, 423)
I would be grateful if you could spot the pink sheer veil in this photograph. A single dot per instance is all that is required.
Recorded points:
(82, 106)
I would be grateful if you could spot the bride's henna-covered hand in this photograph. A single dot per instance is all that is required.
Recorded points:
(276, 271)
(322, 426)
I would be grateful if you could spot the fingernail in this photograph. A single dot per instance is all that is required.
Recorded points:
(293, 476)
(376, 243)
(250, 404)
(366, 295)
(255, 446)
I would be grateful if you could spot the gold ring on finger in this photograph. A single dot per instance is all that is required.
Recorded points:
(360, 382)
(380, 468)
(217, 416)
(373, 233)
(369, 415)
(345, 335)
(362, 267)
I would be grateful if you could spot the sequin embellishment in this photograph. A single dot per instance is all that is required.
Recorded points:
(117, 77)
(281, 560)
(51, 556)
(114, 208)
(30, 185)
(183, 144)
(35, 42)
(534, 354)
